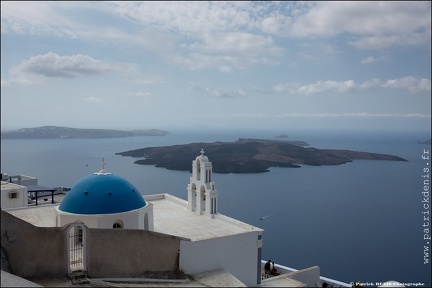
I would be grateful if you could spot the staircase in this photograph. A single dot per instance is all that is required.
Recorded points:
(78, 277)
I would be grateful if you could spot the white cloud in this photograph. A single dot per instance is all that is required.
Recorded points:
(229, 94)
(148, 80)
(358, 115)
(140, 94)
(233, 50)
(414, 85)
(410, 83)
(42, 18)
(185, 17)
(375, 24)
(328, 85)
(322, 86)
(243, 115)
(218, 93)
(226, 35)
(93, 99)
(371, 59)
(52, 65)
(318, 51)
(326, 115)
(375, 82)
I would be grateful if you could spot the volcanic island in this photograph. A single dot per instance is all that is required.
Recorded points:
(249, 155)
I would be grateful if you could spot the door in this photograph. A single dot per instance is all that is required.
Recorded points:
(76, 245)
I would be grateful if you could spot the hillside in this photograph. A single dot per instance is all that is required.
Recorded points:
(49, 132)
(249, 155)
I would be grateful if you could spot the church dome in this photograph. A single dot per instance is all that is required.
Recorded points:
(102, 193)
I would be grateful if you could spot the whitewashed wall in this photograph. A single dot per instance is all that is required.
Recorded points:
(6, 202)
(236, 254)
(130, 220)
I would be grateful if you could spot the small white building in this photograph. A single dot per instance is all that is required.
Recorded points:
(20, 179)
(13, 195)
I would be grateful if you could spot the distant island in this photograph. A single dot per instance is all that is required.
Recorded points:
(52, 132)
(425, 142)
(249, 155)
(281, 136)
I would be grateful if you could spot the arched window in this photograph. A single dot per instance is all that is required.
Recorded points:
(118, 224)
(198, 164)
(146, 222)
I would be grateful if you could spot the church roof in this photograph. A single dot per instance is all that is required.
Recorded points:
(102, 193)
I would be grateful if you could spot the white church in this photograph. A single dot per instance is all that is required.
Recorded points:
(191, 236)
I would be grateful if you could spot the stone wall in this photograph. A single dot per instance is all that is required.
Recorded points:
(119, 253)
(41, 252)
(32, 251)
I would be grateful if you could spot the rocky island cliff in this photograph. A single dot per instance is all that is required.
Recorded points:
(52, 132)
(249, 155)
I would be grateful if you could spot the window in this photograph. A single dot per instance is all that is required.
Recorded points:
(118, 225)
(13, 195)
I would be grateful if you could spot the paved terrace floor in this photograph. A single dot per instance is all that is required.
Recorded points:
(170, 213)
(41, 215)
(171, 216)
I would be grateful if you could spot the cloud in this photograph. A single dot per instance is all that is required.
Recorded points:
(225, 35)
(318, 51)
(231, 50)
(371, 59)
(218, 93)
(414, 85)
(185, 17)
(326, 115)
(148, 80)
(94, 99)
(410, 83)
(196, 88)
(229, 94)
(140, 94)
(357, 115)
(374, 24)
(52, 65)
(375, 82)
(317, 87)
(322, 86)
(243, 115)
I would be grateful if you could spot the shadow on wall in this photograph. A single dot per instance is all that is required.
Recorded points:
(37, 252)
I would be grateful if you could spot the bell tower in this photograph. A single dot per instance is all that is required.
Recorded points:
(202, 195)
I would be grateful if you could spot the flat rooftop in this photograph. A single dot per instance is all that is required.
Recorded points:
(8, 185)
(170, 214)
(39, 216)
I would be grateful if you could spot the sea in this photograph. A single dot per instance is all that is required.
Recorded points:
(363, 221)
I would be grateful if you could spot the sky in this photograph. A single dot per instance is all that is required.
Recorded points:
(216, 65)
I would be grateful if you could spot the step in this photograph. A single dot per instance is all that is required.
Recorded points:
(80, 281)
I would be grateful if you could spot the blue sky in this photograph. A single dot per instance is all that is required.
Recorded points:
(229, 65)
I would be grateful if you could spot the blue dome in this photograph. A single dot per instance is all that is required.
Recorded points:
(102, 193)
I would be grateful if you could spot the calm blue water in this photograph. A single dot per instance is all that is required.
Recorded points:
(359, 222)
